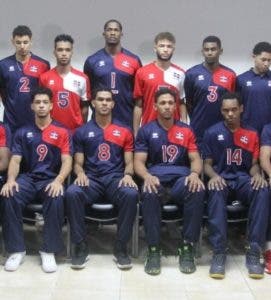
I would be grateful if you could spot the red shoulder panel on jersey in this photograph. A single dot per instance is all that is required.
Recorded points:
(3, 138)
(182, 136)
(120, 136)
(126, 63)
(225, 78)
(247, 140)
(58, 137)
(34, 67)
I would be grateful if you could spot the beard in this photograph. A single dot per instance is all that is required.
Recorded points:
(163, 58)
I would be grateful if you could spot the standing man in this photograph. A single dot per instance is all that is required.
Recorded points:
(114, 67)
(159, 74)
(231, 153)
(204, 85)
(166, 158)
(41, 161)
(19, 76)
(70, 87)
(104, 169)
(255, 88)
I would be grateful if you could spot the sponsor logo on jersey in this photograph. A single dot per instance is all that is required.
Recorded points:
(201, 77)
(248, 83)
(54, 135)
(176, 75)
(179, 136)
(101, 63)
(91, 134)
(244, 139)
(51, 82)
(11, 69)
(76, 83)
(220, 137)
(116, 132)
(126, 63)
(155, 135)
(34, 69)
(29, 134)
(223, 78)
(151, 76)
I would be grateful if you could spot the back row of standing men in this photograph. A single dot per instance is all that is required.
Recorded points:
(115, 68)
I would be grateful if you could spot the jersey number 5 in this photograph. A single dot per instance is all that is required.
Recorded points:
(63, 99)
(234, 156)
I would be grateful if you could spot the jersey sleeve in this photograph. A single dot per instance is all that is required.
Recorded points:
(188, 89)
(266, 136)
(206, 146)
(141, 143)
(5, 136)
(86, 90)
(17, 144)
(192, 145)
(66, 143)
(138, 88)
(256, 150)
(77, 142)
(129, 142)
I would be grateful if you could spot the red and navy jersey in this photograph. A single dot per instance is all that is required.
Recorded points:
(68, 92)
(5, 136)
(17, 81)
(151, 78)
(41, 150)
(256, 94)
(232, 152)
(103, 149)
(117, 73)
(167, 149)
(203, 90)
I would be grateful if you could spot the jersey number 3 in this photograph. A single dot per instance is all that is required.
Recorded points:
(212, 96)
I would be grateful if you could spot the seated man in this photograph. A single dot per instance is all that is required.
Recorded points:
(41, 160)
(231, 153)
(104, 168)
(166, 157)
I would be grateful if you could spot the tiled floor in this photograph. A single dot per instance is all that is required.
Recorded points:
(102, 280)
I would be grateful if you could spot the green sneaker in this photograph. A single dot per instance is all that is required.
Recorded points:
(186, 258)
(153, 261)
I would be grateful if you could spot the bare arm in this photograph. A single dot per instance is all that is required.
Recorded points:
(55, 188)
(193, 180)
(257, 180)
(13, 171)
(127, 179)
(183, 111)
(81, 179)
(137, 115)
(150, 182)
(4, 158)
(84, 110)
(216, 182)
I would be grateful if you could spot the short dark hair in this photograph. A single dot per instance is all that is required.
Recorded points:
(163, 91)
(212, 39)
(63, 38)
(113, 21)
(42, 91)
(232, 96)
(101, 89)
(165, 36)
(22, 30)
(261, 47)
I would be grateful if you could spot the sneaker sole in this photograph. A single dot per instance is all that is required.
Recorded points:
(217, 276)
(12, 270)
(153, 272)
(256, 276)
(122, 267)
(78, 267)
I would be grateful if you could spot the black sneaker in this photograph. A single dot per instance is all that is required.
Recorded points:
(186, 258)
(121, 257)
(253, 264)
(217, 268)
(153, 261)
(80, 255)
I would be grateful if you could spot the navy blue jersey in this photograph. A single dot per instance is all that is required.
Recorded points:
(103, 149)
(17, 81)
(117, 73)
(256, 94)
(203, 91)
(41, 150)
(167, 149)
(266, 135)
(232, 152)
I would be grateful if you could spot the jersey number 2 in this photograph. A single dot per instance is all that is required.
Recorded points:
(24, 88)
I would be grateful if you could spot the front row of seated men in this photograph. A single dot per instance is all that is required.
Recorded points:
(166, 160)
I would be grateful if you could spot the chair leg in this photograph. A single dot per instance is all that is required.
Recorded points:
(68, 240)
(135, 234)
(198, 246)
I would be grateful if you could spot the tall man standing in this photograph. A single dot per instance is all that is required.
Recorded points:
(114, 67)
(70, 87)
(19, 76)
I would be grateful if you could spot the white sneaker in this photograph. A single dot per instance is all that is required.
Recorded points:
(48, 262)
(14, 260)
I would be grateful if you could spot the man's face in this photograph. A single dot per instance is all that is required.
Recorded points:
(211, 53)
(231, 111)
(112, 34)
(63, 53)
(164, 50)
(22, 45)
(41, 105)
(103, 103)
(165, 106)
(262, 62)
